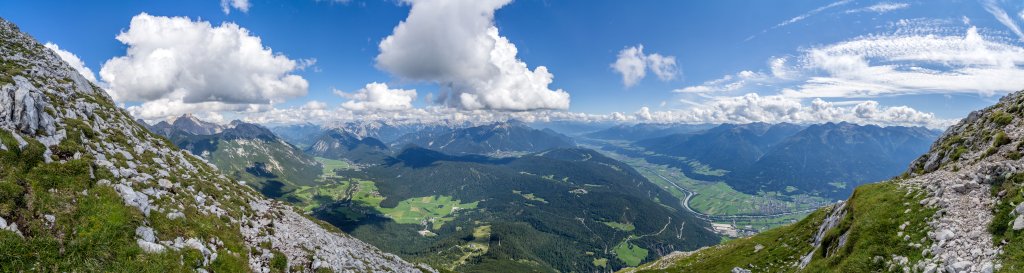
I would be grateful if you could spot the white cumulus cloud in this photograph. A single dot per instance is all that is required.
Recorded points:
(227, 5)
(633, 64)
(752, 107)
(73, 60)
(456, 44)
(745, 108)
(378, 97)
(176, 65)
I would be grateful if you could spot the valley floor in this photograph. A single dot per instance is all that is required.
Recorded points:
(732, 213)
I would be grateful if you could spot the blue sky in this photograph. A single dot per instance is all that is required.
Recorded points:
(828, 47)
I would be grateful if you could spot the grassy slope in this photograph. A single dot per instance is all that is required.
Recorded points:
(94, 231)
(1013, 251)
(874, 213)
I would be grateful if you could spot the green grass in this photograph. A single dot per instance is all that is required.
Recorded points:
(530, 196)
(437, 210)
(627, 227)
(1013, 252)
(482, 233)
(331, 164)
(94, 232)
(781, 245)
(701, 168)
(366, 192)
(1002, 118)
(629, 253)
(601, 262)
(874, 214)
(308, 198)
(766, 223)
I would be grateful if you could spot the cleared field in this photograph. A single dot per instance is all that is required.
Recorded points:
(365, 191)
(620, 226)
(436, 210)
(330, 165)
(629, 253)
(530, 196)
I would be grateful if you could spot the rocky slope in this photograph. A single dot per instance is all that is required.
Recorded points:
(959, 208)
(344, 145)
(187, 123)
(83, 188)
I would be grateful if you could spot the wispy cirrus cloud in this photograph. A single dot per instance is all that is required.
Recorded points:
(813, 12)
(881, 7)
(993, 7)
(801, 17)
(839, 81)
(886, 65)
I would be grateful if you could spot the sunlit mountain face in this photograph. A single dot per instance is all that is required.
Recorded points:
(506, 136)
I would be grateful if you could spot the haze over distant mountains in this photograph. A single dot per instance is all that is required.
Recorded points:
(512, 136)
(825, 159)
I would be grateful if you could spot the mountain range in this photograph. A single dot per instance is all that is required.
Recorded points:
(496, 138)
(642, 131)
(823, 159)
(341, 144)
(246, 152)
(957, 208)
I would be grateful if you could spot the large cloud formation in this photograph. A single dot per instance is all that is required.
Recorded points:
(175, 65)
(633, 64)
(886, 65)
(457, 45)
